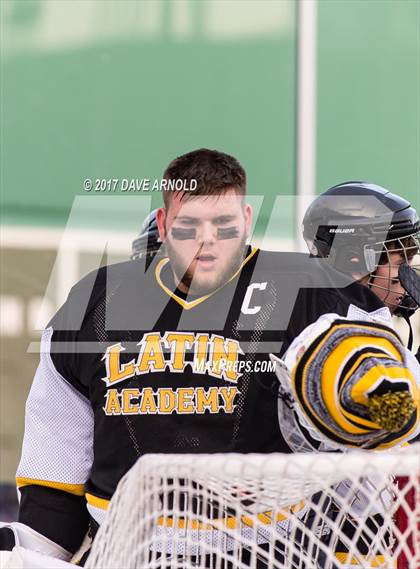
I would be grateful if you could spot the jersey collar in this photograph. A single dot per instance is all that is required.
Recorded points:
(187, 305)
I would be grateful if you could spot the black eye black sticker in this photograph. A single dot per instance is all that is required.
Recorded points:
(183, 233)
(227, 233)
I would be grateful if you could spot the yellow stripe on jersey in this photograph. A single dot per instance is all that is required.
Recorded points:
(76, 489)
(265, 518)
(101, 503)
(363, 560)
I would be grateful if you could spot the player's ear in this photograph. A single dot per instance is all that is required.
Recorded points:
(160, 220)
(248, 218)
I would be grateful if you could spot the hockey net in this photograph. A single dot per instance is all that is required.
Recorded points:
(274, 511)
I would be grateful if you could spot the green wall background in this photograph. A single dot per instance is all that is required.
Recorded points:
(369, 93)
(123, 105)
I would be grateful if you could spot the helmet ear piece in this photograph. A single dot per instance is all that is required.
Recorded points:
(371, 260)
(349, 260)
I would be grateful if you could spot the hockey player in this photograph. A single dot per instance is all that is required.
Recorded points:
(342, 225)
(169, 359)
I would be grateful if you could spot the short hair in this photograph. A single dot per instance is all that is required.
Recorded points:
(215, 172)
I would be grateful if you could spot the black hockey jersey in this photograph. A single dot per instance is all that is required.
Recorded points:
(131, 365)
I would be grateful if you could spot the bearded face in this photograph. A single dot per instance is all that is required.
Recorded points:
(205, 238)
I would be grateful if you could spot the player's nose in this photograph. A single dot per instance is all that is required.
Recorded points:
(208, 233)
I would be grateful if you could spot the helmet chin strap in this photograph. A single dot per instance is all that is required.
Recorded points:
(405, 315)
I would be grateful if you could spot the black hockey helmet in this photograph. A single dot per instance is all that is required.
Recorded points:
(147, 243)
(357, 226)
(354, 222)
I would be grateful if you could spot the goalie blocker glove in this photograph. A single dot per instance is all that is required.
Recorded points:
(351, 384)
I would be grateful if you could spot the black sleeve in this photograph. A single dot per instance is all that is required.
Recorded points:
(311, 303)
(58, 515)
(309, 306)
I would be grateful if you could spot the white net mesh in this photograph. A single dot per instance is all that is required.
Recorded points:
(232, 511)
